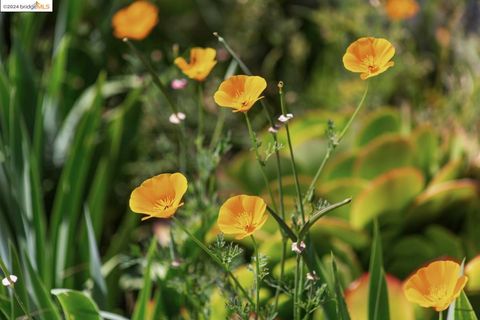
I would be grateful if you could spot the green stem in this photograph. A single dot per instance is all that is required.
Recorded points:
(283, 225)
(296, 292)
(218, 128)
(201, 113)
(214, 258)
(290, 148)
(4, 269)
(331, 148)
(440, 315)
(158, 83)
(253, 139)
(257, 278)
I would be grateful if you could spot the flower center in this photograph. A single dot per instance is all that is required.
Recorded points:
(164, 203)
(370, 62)
(245, 220)
(438, 293)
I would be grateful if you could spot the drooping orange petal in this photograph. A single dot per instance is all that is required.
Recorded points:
(240, 92)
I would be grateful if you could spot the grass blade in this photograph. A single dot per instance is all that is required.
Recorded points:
(377, 293)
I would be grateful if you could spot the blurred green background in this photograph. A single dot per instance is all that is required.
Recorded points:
(81, 125)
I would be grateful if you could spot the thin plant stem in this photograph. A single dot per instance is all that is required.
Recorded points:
(292, 156)
(257, 278)
(214, 258)
(201, 112)
(253, 139)
(4, 269)
(440, 315)
(296, 292)
(332, 147)
(218, 128)
(158, 83)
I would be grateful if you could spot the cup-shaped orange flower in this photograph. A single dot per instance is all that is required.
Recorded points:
(160, 196)
(240, 216)
(369, 56)
(435, 286)
(202, 61)
(135, 21)
(401, 9)
(240, 92)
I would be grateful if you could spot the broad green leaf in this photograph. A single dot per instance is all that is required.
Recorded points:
(340, 166)
(472, 270)
(389, 193)
(376, 124)
(342, 311)
(382, 155)
(451, 171)
(377, 291)
(356, 297)
(141, 306)
(427, 155)
(338, 229)
(340, 189)
(443, 197)
(76, 305)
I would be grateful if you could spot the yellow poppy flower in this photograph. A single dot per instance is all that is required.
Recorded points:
(135, 21)
(401, 9)
(369, 56)
(437, 285)
(202, 61)
(240, 92)
(160, 196)
(242, 215)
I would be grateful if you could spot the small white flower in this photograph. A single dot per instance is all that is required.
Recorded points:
(9, 281)
(176, 263)
(176, 118)
(285, 118)
(298, 247)
(273, 129)
(312, 276)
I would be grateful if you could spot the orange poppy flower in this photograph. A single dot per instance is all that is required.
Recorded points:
(135, 21)
(240, 92)
(202, 61)
(401, 9)
(242, 215)
(160, 196)
(437, 285)
(369, 56)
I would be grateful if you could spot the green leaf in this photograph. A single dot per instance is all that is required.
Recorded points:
(384, 154)
(389, 193)
(76, 305)
(377, 292)
(140, 312)
(342, 311)
(67, 204)
(99, 286)
(378, 123)
(462, 309)
(40, 295)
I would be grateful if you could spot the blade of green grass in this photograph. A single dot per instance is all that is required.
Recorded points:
(43, 300)
(377, 292)
(99, 286)
(342, 311)
(68, 198)
(140, 312)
